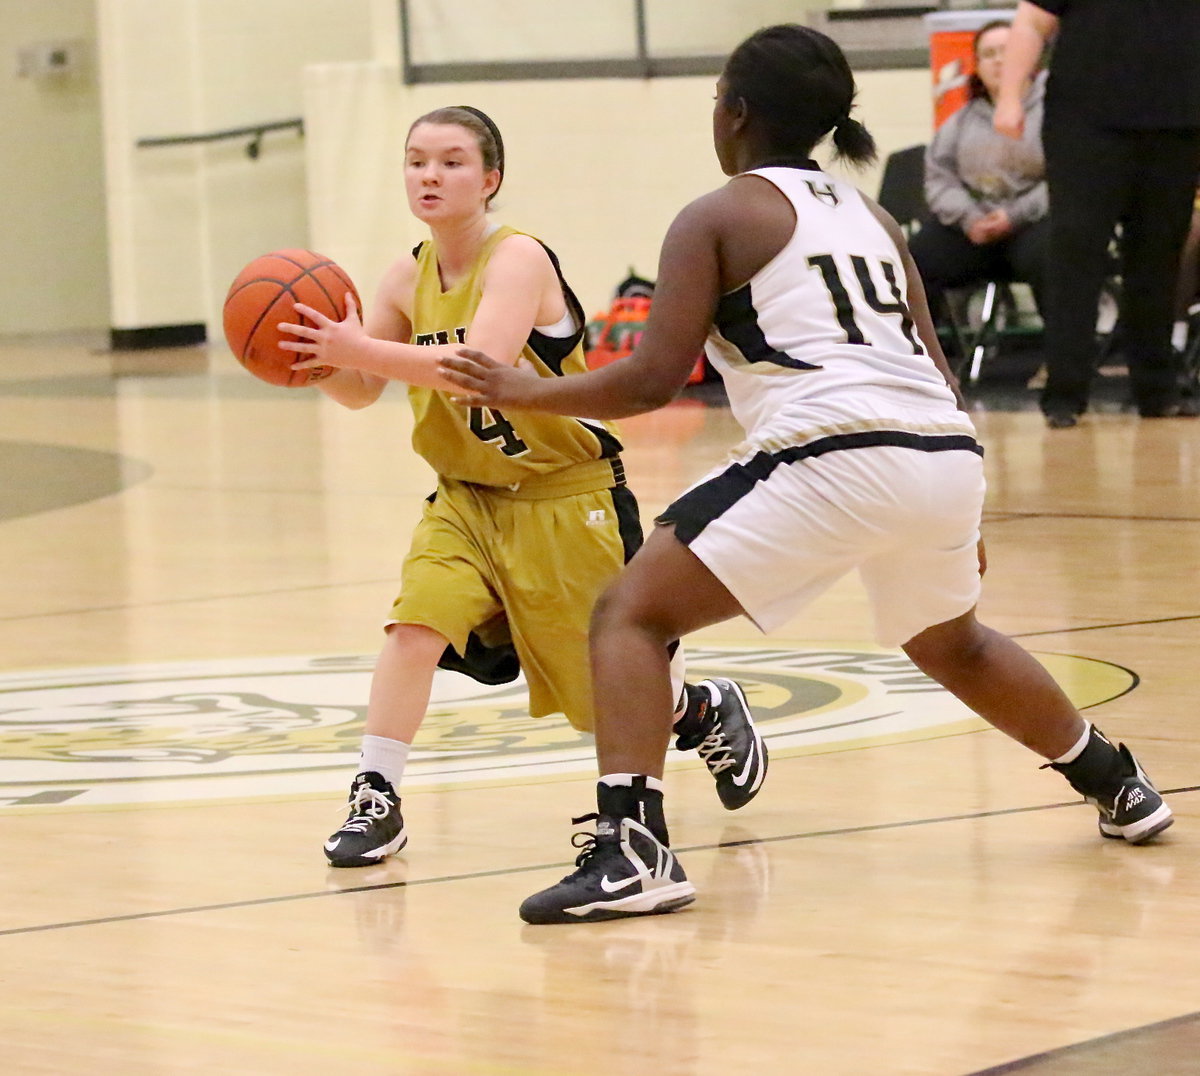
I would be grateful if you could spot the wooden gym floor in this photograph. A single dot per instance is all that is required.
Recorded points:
(196, 568)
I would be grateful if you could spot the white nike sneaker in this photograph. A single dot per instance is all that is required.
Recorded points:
(718, 724)
(374, 828)
(623, 870)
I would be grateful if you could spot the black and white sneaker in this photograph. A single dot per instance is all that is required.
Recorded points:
(373, 830)
(623, 870)
(1137, 812)
(717, 723)
(1110, 779)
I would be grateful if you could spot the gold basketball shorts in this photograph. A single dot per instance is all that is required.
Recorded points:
(490, 566)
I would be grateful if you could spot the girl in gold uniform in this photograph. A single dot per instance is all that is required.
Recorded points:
(531, 518)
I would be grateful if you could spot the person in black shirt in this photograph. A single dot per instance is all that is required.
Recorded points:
(1121, 133)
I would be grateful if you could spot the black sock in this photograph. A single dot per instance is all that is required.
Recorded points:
(636, 801)
(692, 725)
(1099, 769)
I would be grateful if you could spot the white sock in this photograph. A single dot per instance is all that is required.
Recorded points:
(1179, 335)
(678, 671)
(625, 780)
(385, 757)
(1077, 750)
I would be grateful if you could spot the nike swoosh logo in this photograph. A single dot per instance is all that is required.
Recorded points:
(744, 776)
(616, 887)
(331, 845)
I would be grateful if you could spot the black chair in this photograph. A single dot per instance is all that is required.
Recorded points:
(902, 194)
(902, 188)
(998, 314)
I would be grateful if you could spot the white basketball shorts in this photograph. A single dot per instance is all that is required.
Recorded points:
(778, 529)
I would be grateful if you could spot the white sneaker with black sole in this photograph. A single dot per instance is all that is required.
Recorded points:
(374, 828)
(623, 870)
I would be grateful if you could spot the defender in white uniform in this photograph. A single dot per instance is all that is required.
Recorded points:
(858, 455)
(856, 449)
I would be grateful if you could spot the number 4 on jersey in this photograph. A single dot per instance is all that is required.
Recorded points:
(492, 427)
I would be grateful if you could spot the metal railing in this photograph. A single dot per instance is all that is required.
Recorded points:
(254, 132)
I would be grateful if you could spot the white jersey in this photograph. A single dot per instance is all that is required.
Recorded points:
(820, 340)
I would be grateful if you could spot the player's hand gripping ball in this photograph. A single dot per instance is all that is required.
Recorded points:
(265, 293)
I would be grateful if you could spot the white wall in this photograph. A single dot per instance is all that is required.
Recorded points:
(597, 168)
(183, 219)
(52, 241)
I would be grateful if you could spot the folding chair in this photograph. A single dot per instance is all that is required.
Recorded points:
(996, 315)
(902, 194)
(902, 187)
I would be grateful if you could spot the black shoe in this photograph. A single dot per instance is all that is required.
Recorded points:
(1137, 812)
(373, 830)
(1182, 409)
(1061, 420)
(1111, 780)
(718, 724)
(623, 870)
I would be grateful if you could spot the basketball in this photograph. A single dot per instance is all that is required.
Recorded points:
(263, 295)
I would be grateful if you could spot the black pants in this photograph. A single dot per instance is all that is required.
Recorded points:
(1145, 181)
(946, 259)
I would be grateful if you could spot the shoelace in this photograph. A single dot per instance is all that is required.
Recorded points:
(585, 842)
(711, 750)
(377, 805)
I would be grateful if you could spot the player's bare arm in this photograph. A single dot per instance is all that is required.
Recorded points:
(520, 290)
(388, 319)
(1032, 27)
(516, 288)
(684, 302)
(918, 305)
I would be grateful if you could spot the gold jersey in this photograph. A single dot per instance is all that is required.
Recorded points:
(480, 444)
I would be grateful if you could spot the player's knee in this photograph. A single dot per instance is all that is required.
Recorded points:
(951, 645)
(611, 611)
(620, 609)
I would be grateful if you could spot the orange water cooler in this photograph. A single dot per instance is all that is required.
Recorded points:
(951, 60)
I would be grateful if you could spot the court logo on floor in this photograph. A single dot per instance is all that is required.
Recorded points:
(253, 729)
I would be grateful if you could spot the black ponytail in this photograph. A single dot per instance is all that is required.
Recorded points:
(797, 84)
(853, 143)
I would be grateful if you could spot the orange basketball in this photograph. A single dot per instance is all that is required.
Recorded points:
(262, 296)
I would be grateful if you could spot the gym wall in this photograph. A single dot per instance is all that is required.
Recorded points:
(105, 235)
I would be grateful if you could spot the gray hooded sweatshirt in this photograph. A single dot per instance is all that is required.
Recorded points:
(971, 169)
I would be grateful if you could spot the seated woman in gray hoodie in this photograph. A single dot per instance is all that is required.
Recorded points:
(986, 193)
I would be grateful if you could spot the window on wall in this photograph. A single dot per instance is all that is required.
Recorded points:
(518, 31)
(479, 39)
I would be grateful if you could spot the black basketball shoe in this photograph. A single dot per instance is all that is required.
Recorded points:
(1111, 780)
(1137, 812)
(623, 870)
(717, 723)
(373, 830)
